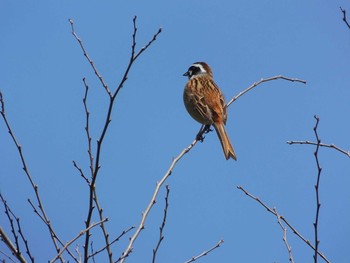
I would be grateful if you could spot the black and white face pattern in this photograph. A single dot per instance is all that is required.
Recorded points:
(195, 70)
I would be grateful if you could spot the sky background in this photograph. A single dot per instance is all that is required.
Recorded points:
(42, 68)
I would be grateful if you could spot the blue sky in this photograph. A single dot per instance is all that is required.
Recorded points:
(42, 68)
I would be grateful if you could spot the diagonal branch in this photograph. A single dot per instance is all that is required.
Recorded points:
(65, 247)
(344, 17)
(262, 81)
(289, 248)
(205, 252)
(4, 237)
(129, 248)
(285, 221)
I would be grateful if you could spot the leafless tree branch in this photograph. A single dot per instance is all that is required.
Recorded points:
(5, 238)
(347, 153)
(284, 229)
(115, 240)
(35, 187)
(260, 82)
(129, 248)
(344, 17)
(65, 247)
(205, 252)
(318, 204)
(285, 221)
(161, 228)
(95, 167)
(11, 215)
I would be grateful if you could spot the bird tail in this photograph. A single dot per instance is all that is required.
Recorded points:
(225, 141)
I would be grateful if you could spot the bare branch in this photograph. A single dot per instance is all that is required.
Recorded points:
(318, 204)
(87, 127)
(260, 82)
(89, 59)
(9, 212)
(96, 166)
(129, 248)
(43, 214)
(347, 153)
(4, 237)
(344, 17)
(115, 240)
(75, 238)
(205, 252)
(284, 220)
(289, 248)
(161, 237)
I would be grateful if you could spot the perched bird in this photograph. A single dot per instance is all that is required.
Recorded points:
(205, 102)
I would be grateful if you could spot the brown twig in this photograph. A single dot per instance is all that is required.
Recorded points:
(35, 187)
(4, 237)
(285, 221)
(161, 228)
(347, 153)
(65, 247)
(318, 204)
(344, 17)
(284, 229)
(115, 240)
(10, 213)
(205, 252)
(260, 82)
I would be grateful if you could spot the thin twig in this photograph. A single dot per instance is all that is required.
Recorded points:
(318, 204)
(205, 252)
(13, 230)
(285, 221)
(75, 238)
(262, 81)
(87, 127)
(344, 17)
(19, 228)
(115, 240)
(4, 237)
(129, 248)
(35, 187)
(347, 153)
(7, 256)
(88, 58)
(81, 172)
(161, 228)
(284, 229)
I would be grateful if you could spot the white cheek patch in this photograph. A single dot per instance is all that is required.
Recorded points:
(201, 68)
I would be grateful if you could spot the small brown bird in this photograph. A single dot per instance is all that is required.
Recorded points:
(205, 102)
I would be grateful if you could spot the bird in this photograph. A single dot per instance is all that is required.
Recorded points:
(206, 104)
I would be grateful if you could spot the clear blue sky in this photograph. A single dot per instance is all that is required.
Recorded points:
(42, 68)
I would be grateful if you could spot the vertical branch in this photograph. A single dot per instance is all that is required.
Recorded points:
(284, 229)
(318, 204)
(161, 236)
(95, 164)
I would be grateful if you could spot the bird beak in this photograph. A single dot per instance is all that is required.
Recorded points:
(186, 74)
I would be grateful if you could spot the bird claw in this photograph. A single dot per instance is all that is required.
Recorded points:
(204, 130)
